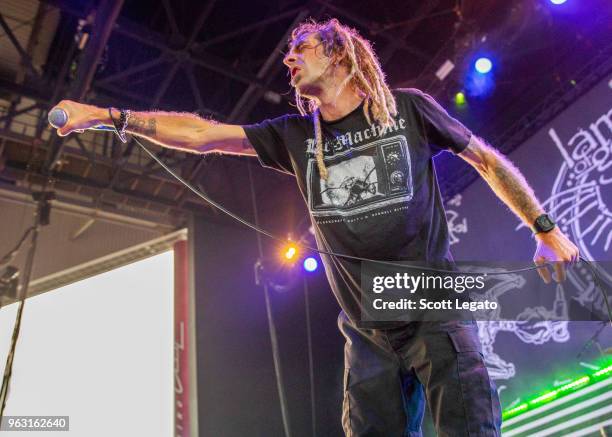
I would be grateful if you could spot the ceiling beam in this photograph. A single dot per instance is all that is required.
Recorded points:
(249, 98)
(423, 12)
(132, 70)
(248, 28)
(25, 58)
(170, 16)
(105, 18)
(153, 39)
(371, 27)
(17, 112)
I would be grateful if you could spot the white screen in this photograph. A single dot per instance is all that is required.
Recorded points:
(99, 351)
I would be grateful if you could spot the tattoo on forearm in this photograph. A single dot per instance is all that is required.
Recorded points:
(143, 126)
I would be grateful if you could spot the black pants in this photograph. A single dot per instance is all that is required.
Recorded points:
(389, 374)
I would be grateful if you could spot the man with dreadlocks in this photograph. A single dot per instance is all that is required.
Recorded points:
(362, 156)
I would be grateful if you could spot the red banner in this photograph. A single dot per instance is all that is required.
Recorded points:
(182, 340)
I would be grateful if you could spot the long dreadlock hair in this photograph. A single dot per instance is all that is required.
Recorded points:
(348, 48)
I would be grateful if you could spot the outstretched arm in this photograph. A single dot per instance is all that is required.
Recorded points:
(511, 187)
(182, 131)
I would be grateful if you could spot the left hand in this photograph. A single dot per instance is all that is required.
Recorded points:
(554, 247)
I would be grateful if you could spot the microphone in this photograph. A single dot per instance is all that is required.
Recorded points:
(58, 118)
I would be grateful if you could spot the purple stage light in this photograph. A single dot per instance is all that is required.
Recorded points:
(557, 2)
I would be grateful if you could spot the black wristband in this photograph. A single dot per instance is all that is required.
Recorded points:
(110, 115)
(123, 122)
(543, 223)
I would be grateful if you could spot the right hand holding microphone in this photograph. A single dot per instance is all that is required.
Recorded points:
(79, 117)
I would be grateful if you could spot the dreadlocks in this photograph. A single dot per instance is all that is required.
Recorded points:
(348, 48)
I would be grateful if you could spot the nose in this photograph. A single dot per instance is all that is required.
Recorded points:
(289, 59)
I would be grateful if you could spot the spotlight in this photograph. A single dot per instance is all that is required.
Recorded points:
(479, 80)
(290, 252)
(557, 2)
(460, 98)
(483, 65)
(310, 264)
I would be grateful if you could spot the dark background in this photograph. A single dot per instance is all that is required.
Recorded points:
(237, 392)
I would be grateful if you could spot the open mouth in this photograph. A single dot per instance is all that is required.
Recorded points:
(294, 71)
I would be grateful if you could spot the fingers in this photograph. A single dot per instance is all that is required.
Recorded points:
(543, 270)
(63, 131)
(559, 267)
(545, 273)
(572, 260)
(576, 256)
(558, 250)
(67, 128)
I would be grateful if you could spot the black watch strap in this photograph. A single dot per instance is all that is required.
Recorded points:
(543, 224)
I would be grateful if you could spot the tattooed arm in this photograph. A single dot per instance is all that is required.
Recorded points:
(511, 187)
(183, 131)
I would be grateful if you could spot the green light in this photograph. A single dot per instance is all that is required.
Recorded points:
(603, 371)
(460, 99)
(514, 410)
(544, 397)
(575, 385)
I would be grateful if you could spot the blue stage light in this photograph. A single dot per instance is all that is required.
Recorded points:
(557, 2)
(483, 65)
(310, 264)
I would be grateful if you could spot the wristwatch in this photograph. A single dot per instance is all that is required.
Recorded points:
(543, 224)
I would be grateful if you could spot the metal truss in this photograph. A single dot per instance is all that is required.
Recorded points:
(110, 173)
(114, 175)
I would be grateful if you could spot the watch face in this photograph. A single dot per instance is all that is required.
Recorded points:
(545, 223)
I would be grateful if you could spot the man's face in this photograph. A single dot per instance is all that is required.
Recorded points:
(307, 63)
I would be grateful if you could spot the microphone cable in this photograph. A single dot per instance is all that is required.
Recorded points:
(269, 234)
(59, 118)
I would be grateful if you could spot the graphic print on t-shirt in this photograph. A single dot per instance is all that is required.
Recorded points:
(361, 179)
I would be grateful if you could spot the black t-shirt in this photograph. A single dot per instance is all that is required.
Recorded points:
(381, 199)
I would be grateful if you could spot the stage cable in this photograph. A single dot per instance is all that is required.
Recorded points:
(11, 254)
(278, 370)
(313, 409)
(41, 218)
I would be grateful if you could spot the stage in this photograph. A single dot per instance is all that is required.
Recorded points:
(162, 273)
